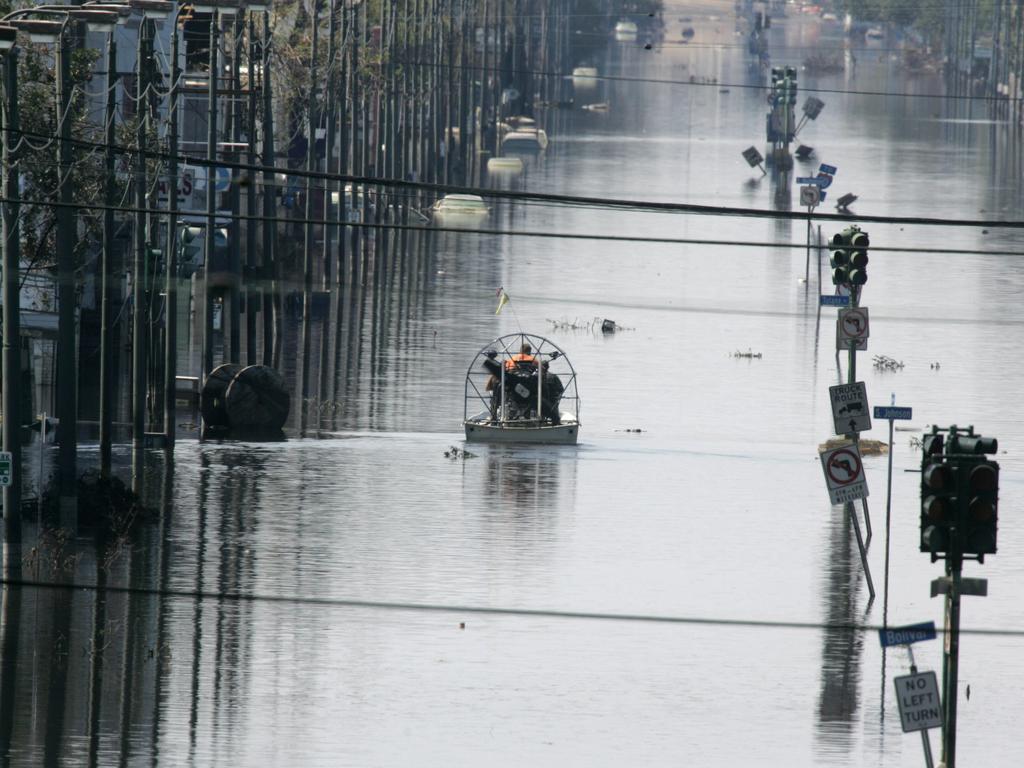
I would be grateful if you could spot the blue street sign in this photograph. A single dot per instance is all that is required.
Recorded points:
(911, 633)
(810, 180)
(831, 300)
(829, 169)
(893, 412)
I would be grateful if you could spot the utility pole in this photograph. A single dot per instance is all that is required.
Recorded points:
(250, 200)
(171, 254)
(271, 337)
(12, 411)
(211, 195)
(67, 371)
(140, 317)
(107, 266)
(959, 520)
(307, 258)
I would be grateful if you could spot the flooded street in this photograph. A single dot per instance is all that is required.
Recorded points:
(677, 587)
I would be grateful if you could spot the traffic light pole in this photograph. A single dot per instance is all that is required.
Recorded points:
(951, 659)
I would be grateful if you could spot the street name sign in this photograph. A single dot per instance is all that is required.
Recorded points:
(834, 300)
(815, 180)
(893, 412)
(911, 633)
(6, 461)
(850, 408)
(844, 474)
(918, 697)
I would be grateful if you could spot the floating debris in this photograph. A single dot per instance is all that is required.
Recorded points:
(457, 453)
(750, 355)
(934, 366)
(867, 447)
(630, 429)
(885, 363)
(597, 324)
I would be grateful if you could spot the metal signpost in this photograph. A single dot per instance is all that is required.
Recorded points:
(890, 413)
(917, 694)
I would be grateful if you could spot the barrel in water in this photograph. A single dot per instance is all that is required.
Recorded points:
(213, 397)
(250, 399)
(257, 399)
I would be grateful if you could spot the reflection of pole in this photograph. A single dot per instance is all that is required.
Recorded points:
(11, 560)
(913, 670)
(952, 658)
(888, 516)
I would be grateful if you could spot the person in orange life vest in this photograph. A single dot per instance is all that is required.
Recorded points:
(523, 360)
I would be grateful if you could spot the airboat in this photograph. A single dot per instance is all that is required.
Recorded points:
(521, 388)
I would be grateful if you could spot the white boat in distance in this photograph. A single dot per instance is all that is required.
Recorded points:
(521, 388)
(459, 211)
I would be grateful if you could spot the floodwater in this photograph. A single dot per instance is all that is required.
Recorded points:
(681, 593)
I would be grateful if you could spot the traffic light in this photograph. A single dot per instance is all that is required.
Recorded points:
(849, 257)
(190, 249)
(839, 258)
(979, 509)
(858, 256)
(939, 504)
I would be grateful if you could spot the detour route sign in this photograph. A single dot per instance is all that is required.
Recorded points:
(844, 474)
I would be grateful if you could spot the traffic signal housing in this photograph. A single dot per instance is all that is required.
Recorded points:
(940, 502)
(849, 257)
(978, 518)
(190, 249)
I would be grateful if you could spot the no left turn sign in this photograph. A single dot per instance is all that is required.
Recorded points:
(844, 474)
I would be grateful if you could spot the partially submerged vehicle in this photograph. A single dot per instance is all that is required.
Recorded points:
(459, 211)
(521, 388)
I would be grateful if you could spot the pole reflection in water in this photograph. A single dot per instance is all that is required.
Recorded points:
(843, 646)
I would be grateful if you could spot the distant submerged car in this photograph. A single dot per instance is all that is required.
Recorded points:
(626, 31)
(459, 210)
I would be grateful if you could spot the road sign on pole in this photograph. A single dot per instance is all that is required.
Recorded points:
(852, 328)
(850, 408)
(6, 461)
(893, 412)
(844, 474)
(911, 633)
(835, 300)
(918, 697)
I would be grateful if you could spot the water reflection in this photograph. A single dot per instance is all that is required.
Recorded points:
(842, 648)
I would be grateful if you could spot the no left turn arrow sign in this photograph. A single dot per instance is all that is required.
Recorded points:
(844, 474)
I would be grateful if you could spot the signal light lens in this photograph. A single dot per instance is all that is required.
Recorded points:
(939, 477)
(935, 539)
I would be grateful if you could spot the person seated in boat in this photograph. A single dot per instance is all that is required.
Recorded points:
(524, 360)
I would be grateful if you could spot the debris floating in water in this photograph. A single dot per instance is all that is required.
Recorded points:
(748, 354)
(457, 453)
(603, 325)
(630, 429)
(884, 363)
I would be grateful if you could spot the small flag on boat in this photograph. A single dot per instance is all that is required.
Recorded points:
(502, 300)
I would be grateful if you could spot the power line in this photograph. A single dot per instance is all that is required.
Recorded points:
(384, 605)
(222, 215)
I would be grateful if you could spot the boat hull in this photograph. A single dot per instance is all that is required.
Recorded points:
(509, 432)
